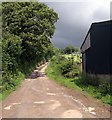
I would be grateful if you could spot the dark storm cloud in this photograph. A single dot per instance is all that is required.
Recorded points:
(69, 35)
(74, 21)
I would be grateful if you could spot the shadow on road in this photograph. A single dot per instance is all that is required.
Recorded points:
(37, 73)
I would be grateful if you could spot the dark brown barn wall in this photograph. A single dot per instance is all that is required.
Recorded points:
(99, 55)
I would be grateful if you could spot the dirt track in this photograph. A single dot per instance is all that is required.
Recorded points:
(40, 97)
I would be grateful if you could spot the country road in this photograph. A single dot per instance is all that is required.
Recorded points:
(40, 97)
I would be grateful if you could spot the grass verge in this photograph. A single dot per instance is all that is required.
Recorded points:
(17, 82)
(94, 92)
(54, 73)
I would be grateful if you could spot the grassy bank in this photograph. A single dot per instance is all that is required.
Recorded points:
(54, 72)
(17, 82)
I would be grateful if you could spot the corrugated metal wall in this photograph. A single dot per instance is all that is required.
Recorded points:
(98, 56)
(111, 46)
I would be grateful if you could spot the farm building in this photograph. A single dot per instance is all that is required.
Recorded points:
(97, 49)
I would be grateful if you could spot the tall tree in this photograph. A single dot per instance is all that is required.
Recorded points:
(33, 23)
(27, 30)
(70, 49)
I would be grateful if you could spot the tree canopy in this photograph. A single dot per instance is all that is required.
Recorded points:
(27, 30)
(70, 49)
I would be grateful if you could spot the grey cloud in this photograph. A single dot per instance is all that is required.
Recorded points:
(101, 14)
(74, 21)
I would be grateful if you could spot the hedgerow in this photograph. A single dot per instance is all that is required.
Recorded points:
(27, 28)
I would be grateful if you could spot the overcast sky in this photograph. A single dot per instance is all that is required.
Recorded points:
(75, 19)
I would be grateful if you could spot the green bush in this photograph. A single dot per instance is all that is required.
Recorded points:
(105, 87)
(67, 67)
(11, 45)
(107, 99)
(73, 73)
